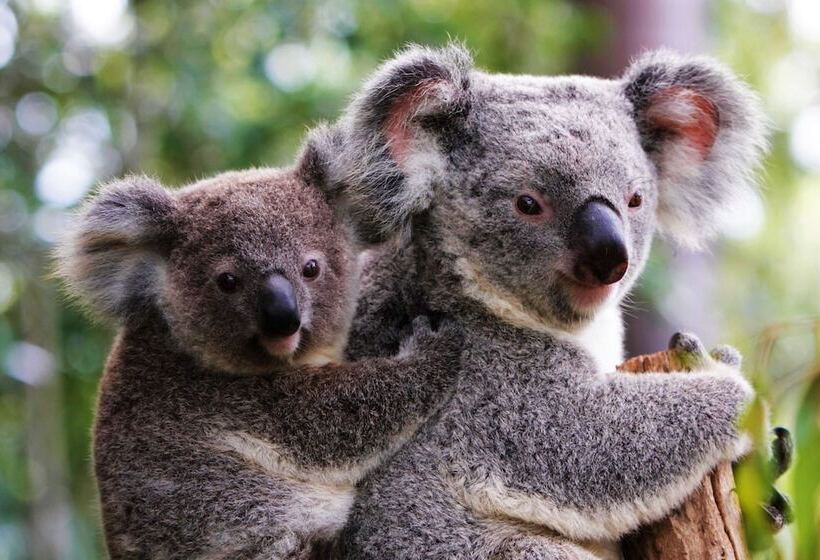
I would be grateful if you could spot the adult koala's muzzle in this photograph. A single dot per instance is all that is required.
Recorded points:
(597, 241)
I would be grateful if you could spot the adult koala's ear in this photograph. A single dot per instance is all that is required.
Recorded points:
(705, 132)
(112, 257)
(390, 152)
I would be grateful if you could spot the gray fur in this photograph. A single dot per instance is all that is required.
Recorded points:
(206, 445)
(122, 236)
(693, 205)
(541, 443)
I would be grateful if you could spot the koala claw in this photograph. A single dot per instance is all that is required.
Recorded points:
(728, 355)
(778, 510)
(447, 335)
(686, 342)
(689, 349)
(782, 451)
(422, 326)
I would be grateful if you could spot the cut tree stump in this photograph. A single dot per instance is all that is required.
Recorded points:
(708, 525)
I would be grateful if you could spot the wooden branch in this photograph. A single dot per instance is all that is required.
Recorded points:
(708, 525)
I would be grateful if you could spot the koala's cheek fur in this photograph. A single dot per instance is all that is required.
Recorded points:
(216, 327)
(331, 305)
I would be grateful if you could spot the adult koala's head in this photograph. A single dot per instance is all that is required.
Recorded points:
(543, 193)
(250, 269)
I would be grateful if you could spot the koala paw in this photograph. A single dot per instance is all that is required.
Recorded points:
(728, 355)
(447, 339)
(723, 360)
(689, 350)
(778, 510)
(692, 353)
(782, 451)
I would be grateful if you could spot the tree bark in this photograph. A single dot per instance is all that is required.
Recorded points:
(708, 525)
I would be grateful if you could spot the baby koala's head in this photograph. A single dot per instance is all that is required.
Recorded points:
(251, 270)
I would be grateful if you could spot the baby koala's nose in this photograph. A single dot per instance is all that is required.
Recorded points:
(278, 308)
(598, 243)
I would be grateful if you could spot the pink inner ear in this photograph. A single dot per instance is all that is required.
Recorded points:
(690, 115)
(396, 128)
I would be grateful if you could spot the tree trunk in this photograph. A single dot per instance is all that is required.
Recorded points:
(708, 525)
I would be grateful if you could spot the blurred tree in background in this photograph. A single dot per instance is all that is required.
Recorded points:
(90, 89)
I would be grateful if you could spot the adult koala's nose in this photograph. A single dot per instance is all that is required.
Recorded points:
(597, 240)
(278, 314)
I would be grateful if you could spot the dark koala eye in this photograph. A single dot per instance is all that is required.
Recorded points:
(636, 200)
(311, 269)
(528, 206)
(227, 282)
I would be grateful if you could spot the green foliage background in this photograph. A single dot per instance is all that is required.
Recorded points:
(192, 88)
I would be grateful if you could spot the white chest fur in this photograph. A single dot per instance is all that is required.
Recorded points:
(602, 338)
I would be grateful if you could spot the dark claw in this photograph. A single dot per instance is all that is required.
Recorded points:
(686, 342)
(435, 319)
(421, 326)
(689, 350)
(728, 355)
(782, 451)
(778, 510)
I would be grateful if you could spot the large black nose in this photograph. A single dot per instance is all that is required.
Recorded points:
(598, 243)
(278, 308)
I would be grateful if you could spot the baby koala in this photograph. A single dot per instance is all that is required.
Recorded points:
(226, 426)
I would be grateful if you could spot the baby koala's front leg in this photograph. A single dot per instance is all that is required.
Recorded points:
(341, 414)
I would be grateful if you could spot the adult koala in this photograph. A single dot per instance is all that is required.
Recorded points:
(529, 205)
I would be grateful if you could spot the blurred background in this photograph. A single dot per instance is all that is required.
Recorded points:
(91, 89)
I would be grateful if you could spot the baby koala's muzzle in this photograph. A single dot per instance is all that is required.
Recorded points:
(597, 239)
(278, 309)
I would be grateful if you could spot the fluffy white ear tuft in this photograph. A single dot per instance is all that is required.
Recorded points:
(705, 132)
(112, 256)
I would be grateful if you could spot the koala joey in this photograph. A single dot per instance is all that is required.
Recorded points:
(529, 205)
(227, 425)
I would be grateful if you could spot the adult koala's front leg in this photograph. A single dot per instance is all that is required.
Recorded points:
(688, 351)
(616, 452)
(664, 433)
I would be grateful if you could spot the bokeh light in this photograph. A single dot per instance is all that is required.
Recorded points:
(804, 19)
(36, 113)
(101, 22)
(804, 139)
(8, 34)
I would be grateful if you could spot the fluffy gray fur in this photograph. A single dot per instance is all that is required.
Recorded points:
(542, 451)
(207, 443)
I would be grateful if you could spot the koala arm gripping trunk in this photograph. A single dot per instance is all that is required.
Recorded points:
(626, 450)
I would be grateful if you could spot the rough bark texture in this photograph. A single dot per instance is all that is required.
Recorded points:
(708, 525)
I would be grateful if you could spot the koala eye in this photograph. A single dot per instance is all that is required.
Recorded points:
(636, 200)
(311, 269)
(227, 282)
(528, 206)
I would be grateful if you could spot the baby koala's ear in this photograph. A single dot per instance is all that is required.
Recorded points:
(389, 153)
(705, 132)
(111, 258)
(317, 161)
